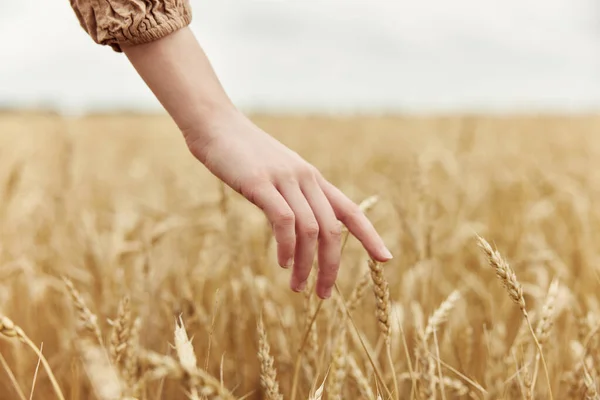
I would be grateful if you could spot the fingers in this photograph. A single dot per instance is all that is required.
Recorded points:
(307, 233)
(307, 212)
(356, 221)
(282, 219)
(330, 238)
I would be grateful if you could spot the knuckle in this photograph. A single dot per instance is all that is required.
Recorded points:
(285, 243)
(330, 272)
(252, 187)
(354, 212)
(335, 233)
(285, 218)
(306, 173)
(285, 175)
(311, 230)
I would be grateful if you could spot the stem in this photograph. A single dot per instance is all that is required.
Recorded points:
(51, 376)
(35, 374)
(301, 351)
(439, 366)
(539, 347)
(535, 373)
(12, 378)
(413, 378)
(389, 355)
(303, 344)
(357, 333)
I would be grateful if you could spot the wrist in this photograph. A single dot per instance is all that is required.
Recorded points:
(208, 123)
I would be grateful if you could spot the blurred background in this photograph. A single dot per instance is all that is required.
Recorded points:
(328, 56)
(461, 116)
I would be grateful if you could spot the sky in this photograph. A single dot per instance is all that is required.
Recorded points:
(328, 56)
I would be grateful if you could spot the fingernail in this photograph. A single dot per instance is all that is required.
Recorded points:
(297, 287)
(327, 293)
(387, 254)
(289, 263)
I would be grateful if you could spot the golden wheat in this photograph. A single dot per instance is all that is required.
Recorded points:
(118, 205)
(268, 375)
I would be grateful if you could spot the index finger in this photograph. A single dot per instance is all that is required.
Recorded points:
(356, 221)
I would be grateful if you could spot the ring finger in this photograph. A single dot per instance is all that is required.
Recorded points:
(307, 233)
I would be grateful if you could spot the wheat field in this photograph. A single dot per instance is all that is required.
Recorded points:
(138, 276)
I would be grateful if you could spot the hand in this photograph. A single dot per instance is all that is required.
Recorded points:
(302, 207)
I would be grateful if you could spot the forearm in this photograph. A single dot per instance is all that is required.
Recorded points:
(179, 74)
(301, 205)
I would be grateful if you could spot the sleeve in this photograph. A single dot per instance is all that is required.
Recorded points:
(129, 22)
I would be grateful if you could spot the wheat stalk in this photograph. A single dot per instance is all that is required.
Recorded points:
(12, 377)
(458, 386)
(12, 331)
(509, 280)
(312, 345)
(360, 378)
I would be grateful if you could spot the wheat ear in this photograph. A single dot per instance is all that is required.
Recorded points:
(338, 368)
(187, 357)
(318, 395)
(358, 293)
(87, 320)
(382, 298)
(382, 302)
(440, 315)
(102, 375)
(268, 373)
(546, 321)
(121, 334)
(547, 316)
(160, 366)
(510, 282)
(590, 387)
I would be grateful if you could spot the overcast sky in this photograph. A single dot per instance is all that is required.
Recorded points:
(329, 55)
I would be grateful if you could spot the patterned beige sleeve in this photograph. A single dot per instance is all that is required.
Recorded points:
(129, 22)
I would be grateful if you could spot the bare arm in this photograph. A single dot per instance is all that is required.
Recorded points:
(179, 74)
(302, 207)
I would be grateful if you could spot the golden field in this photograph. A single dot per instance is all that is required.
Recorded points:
(150, 240)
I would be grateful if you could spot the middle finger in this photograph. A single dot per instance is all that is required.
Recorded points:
(307, 233)
(330, 238)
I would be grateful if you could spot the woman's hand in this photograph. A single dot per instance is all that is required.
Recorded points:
(302, 207)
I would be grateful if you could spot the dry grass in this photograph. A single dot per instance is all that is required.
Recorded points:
(144, 278)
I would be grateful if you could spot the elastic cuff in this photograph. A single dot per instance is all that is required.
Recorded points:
(158, 32)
